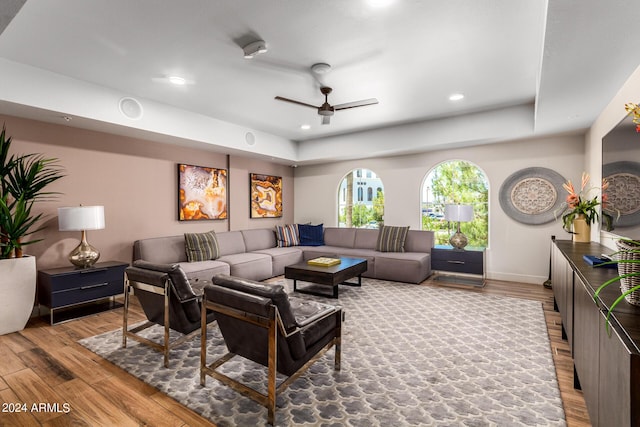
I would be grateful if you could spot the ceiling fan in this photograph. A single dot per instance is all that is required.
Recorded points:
(326, 110)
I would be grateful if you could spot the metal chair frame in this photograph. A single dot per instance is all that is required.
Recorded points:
(166, 345)
(272, 323)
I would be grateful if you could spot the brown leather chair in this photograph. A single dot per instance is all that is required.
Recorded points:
(261, 323)
(168, 299)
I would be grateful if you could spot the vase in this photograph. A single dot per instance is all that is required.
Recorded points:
(581, 229)
(17, 292)
(629, 263)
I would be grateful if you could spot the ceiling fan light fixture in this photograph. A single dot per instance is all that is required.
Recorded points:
(321, 68)
(305, 127)
(456, 97)
(254, 48)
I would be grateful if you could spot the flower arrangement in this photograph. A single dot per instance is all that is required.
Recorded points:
(579, 203)
(634, 109)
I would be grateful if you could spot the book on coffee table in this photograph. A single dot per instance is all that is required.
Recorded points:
(324, 261)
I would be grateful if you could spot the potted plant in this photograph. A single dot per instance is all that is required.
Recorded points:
(628, 260)
(23, 179)
(580, 210)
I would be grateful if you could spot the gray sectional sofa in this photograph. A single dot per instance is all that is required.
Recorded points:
(254, 254)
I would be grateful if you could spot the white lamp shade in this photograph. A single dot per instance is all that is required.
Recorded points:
(462, 213)
(80, 218)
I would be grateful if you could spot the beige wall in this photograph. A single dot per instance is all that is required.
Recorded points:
(517, 252)
(136, 181)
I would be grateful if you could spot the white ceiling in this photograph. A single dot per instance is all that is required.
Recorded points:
(559, 61)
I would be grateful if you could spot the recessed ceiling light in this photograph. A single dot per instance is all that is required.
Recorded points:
(177, 80)
(456, 97)
(379, 3)
(305, 127)
(172, 79)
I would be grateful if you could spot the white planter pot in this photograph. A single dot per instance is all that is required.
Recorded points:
(17, 292)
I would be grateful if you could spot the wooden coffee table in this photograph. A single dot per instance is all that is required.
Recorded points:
(327, 276)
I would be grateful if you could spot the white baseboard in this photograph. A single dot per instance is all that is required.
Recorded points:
(511, 277)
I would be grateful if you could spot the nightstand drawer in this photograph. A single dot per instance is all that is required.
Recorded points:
(455, 261)
(84, 293)
(80, 278)
(457, 266)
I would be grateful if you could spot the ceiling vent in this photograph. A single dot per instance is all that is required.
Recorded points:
(131, 108)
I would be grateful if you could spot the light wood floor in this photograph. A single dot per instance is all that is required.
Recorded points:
(45, 365)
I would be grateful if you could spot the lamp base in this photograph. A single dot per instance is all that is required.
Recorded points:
(85, 255)
(458, 241)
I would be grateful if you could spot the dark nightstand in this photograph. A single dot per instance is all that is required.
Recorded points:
(466, 266)
(74, 288)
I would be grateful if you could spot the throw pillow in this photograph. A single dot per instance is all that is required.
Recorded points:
(201, 246)
(391, 239)
(287, 235)
(311, 235)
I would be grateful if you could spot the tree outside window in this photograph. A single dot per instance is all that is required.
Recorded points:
(353, 209)
(456, 182)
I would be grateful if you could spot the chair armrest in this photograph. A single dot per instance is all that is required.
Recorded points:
(308, 312)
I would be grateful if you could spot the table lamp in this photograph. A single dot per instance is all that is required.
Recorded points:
(82, 218)
(458, 213)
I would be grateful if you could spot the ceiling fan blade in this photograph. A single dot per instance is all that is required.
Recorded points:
(355, 104)
(279, 98)
(325, 120)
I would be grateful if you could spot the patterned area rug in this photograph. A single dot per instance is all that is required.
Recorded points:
(412, 355)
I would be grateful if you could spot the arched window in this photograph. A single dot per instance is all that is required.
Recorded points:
(456, 182)
(353, 209)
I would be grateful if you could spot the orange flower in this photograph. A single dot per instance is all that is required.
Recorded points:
(573, 200)
(569, 187)
(585, 181)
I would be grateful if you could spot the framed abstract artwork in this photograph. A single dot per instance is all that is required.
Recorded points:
(266, 196)
(202, 193)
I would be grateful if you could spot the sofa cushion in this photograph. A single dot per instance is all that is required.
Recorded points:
(419, 241)
(311, 235)
(366, 238)
(281, 257)
(343, 237)
(161, 250)
(249, 265)
(391, 239)
(201, 246)
(258, 238)
(204, 270)
(231, 242)
(410, 267)
(287, 235)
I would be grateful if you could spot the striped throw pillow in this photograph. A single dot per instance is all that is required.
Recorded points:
(287, 235)
(201, 246)
(391, 239)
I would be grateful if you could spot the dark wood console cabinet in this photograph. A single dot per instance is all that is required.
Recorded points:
(606, 365)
